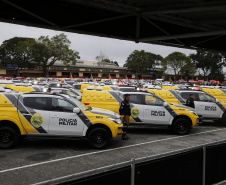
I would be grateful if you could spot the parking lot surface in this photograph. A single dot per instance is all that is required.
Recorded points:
(35, 161)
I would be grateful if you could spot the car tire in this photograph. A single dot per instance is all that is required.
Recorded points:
(98, 138)
(9, 137)
(181, 126)
(223, 119)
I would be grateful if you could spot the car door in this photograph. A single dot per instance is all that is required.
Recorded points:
(207, 107)
(35, 110)
(197, 103)
(62, 118)
(154, 111)
(136, 106)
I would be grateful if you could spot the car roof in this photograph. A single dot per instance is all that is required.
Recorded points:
(191, 91)
(134, 92)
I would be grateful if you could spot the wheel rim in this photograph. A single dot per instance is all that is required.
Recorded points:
(98, 138)
(182, 126)
(5, 137)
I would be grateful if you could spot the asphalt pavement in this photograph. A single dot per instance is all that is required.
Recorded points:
(36, 161)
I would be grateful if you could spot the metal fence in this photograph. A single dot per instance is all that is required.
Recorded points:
(201, 165)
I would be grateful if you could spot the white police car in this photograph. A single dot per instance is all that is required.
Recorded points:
(206, 105)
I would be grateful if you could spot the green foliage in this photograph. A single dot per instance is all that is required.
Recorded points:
(106, 60)
(211, 63)
(179, 62)
(49, 50)
(142, 62)
(102, 57)
(116, 63)
(17, 51)
(188, 69)
(27, 52)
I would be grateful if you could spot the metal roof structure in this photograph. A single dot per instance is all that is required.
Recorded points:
(181, 23)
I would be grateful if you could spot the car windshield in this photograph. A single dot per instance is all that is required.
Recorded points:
(177, 95)
(80, 105)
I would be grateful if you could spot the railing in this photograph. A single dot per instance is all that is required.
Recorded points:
(202, 164)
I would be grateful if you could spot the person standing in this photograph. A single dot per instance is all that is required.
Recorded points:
(125, 112)
(190, 101)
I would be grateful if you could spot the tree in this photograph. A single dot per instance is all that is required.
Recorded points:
(201, 60)
(102, 60)
(154, 61)
(188, 69)
(106, 60)
(211, 63)
(177, 61)
(17, 51)
(101, 57)
(116, 63)
(49, 50)
(142, 62)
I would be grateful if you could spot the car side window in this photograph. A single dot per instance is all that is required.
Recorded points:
(151, 100)
(185, 95)
(61, 105)
(135, 98)
(36, 103)
(206, 98)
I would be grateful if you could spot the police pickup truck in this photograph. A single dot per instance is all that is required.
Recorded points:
(40, 115)
(146, 109)
(206, 105)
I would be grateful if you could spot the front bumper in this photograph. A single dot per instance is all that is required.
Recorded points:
(200, 118)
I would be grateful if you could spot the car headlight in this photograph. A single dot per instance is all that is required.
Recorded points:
(117, 120)
(45, 90)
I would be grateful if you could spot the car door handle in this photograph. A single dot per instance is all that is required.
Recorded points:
(54, 116)
(24, 114)
(146, 108)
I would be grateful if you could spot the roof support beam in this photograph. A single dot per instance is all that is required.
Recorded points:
(30, 13)
(137, 28)
(99, 21)
(188, 35)
(183, 22)
(207, 40)
(186, 10)
(161, 29)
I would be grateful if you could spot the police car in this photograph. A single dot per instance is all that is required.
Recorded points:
(38, 115)
(206, 105)
(146, 109)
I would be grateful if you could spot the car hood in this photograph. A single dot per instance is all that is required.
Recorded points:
(104, 112)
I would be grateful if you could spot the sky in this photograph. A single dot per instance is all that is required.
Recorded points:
(90, 46)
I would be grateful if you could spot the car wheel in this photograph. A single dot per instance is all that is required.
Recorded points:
(181, 126)
(9, 137)
(223, 119)
(98, 138)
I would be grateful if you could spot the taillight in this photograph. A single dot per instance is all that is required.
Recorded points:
(86, 103)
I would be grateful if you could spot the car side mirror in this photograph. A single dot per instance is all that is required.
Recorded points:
(165, 104)
(76, 110)
(79, 98)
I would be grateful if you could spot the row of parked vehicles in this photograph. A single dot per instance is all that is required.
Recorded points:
(90, 111)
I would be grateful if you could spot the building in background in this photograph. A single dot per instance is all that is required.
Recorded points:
(82, 69)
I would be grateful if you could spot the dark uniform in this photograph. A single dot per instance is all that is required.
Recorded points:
(190, 102)
(125, 110)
